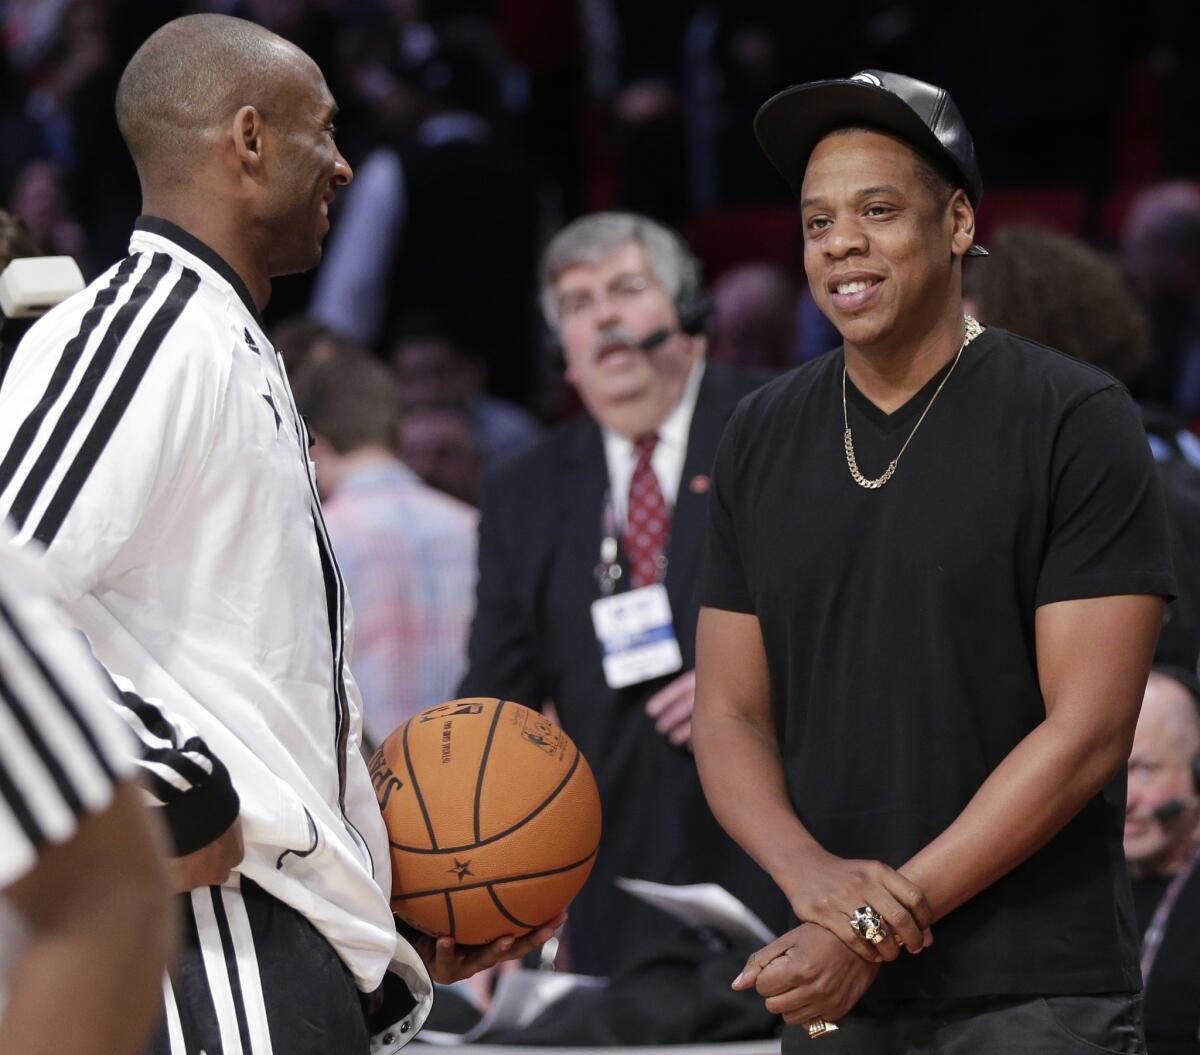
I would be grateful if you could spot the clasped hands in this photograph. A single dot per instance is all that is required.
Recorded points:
(822, 968)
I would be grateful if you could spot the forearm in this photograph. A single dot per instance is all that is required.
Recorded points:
(764, 824)
(737, 751)
(59, 967)
(99, 945)
(1029, 797)
(1093, 656)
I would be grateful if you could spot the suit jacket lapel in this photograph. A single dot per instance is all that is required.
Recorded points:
(582, 483)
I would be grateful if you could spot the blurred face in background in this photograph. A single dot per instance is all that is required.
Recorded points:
(754, 317)
(1160, 241)
(438, 444)
(604, 310)
(39, 198)
(431, 372)
(1165, 743)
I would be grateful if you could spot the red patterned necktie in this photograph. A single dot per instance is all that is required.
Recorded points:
(649, 520)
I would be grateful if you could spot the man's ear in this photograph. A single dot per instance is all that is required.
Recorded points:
(962, 218)
(248, 137)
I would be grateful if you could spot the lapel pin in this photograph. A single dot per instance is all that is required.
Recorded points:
(699, 485)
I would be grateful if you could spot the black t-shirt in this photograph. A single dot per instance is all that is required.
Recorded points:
(899, 627)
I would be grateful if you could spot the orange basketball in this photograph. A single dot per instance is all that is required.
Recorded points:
(493, 818)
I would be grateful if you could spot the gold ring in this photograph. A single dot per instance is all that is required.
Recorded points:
(818, 1027)
(868, 924)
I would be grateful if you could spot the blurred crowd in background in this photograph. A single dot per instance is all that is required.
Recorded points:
(478, 127)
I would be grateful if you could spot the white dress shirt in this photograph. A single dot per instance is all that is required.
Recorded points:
(669, 453)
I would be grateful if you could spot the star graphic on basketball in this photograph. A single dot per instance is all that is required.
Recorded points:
(462, 869)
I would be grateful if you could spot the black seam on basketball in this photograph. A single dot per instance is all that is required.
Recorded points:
(487, 750)
(450, 914)
(498, 882)
(499, 835)
(504, 912)
(416, 786)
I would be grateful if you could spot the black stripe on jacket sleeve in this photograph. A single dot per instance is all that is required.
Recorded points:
(209, 804)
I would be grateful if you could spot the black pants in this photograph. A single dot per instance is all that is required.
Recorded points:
(256, 978)
(990, 1025)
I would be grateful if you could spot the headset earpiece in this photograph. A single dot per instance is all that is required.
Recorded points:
(694, 313)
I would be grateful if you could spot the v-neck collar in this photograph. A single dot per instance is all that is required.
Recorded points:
(909, 411)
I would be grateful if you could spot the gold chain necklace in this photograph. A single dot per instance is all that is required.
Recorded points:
(971, 330)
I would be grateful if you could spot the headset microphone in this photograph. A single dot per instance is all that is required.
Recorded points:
(693, 317)
(1172, 808)
(653, 339)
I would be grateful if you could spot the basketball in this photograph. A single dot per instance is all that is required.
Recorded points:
(493, 817)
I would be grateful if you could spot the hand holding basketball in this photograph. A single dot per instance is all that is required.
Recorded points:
(450, 962)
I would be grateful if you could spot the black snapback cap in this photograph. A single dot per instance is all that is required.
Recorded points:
(790, 125)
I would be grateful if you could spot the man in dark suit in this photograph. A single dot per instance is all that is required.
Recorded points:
(598, 525)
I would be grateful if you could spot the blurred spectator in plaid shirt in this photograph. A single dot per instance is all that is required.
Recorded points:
(407, 552)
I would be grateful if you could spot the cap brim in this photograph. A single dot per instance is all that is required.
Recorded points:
(789, 125)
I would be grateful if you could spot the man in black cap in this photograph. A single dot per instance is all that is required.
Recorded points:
(935, 573)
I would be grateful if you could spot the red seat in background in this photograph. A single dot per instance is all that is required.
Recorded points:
(1059, 208)
(726, 237)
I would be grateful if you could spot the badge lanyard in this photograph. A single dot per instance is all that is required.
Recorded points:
(634, 628)
(608, 572)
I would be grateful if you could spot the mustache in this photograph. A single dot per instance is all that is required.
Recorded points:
(612, 335)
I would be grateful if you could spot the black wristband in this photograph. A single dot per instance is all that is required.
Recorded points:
(204, 813)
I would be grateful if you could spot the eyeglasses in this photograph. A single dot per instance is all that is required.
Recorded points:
(623, 289)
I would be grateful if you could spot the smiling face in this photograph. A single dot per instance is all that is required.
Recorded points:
(881, 246)
(307, 168)
(604, 309)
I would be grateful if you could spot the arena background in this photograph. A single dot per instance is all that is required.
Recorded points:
(646, 106)
(1082, 114)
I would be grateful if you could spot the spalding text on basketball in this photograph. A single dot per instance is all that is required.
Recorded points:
(382, 778)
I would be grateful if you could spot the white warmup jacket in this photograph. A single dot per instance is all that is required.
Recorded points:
(149, 442)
